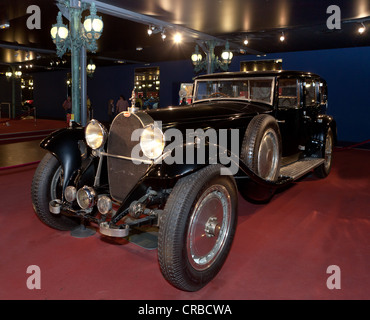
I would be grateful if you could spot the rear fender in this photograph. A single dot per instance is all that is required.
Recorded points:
(63, 144)
(320, 129)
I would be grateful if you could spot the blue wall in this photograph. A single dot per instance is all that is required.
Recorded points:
(347, 72)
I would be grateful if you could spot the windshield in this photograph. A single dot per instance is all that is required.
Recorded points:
(251, 89)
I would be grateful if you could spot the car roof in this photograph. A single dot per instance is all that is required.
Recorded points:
(271, 73)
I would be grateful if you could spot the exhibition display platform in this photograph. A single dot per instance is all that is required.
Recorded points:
(12, 131)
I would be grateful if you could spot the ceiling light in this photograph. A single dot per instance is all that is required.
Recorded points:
(361, 29)
(282, 37)
(163, 35)
(246, 41)
(139, 48)
(177, 38)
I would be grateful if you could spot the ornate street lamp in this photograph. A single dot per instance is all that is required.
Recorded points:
(227, 55)
(211, 63)
(196, 57)
(13, 74)
(90, 69)
(93, 26)
(77, 37)
(8, 74)
(59, 34)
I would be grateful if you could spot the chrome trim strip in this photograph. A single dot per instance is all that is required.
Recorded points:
(126, 158)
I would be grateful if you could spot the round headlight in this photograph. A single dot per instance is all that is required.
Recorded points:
(86, 197)
(95, 134)
(70, 193)
(152, 142)
(104, 204)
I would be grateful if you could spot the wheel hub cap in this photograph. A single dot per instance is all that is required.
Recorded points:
(209, 227)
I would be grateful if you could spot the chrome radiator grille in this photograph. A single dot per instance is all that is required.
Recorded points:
(123, 174)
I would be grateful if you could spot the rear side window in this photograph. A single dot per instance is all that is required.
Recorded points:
(288, 93)
(310, 93)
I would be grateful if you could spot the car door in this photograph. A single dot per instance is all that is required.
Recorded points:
(289, 115)
(311, 107)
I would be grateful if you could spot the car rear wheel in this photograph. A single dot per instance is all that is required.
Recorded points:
(323, 170)
(197, 228)
(46, 186)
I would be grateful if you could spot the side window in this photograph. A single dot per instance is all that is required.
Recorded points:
(310, 93)
(288, 93)
(323, 93)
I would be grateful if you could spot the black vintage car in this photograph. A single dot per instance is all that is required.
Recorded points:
(180, 168)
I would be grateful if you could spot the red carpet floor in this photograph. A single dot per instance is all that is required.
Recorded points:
(281, 250)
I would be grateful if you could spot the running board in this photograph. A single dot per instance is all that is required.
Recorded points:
(299, 168)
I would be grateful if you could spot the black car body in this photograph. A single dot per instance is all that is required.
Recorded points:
(264, 129)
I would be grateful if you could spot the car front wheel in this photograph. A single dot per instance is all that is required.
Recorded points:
(197, 228)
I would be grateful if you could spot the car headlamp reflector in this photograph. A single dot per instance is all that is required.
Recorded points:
(152, 142)
(95, 134)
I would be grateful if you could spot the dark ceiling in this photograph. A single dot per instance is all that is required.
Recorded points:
(262, 21)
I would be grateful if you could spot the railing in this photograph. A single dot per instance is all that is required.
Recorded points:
(31, 110)
(1, 108)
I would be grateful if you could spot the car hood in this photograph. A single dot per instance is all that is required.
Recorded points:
(195, 114)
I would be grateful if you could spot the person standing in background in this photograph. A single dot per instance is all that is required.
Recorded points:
(89, 109)
(122, 104)
(67, 105)
(111, 110)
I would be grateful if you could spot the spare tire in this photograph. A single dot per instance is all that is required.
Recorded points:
(261, 147)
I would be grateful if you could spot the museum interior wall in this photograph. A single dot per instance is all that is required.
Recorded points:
(345, 70)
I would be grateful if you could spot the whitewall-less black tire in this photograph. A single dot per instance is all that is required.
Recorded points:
(46, 186)
(327, 153)
(261, 147)
(197, 228)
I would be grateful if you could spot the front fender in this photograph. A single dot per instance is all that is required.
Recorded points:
(231, 160)
(63, 144)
